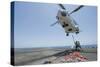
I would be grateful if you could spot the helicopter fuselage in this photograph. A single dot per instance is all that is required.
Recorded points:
(67, 22)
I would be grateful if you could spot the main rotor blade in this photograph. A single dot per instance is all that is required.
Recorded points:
(77, 9)
(62, 6)
(54, 23)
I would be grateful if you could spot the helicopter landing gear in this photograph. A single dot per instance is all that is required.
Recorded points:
(67, 34)
(77, 32)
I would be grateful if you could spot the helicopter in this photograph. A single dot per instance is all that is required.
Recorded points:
(66, 21)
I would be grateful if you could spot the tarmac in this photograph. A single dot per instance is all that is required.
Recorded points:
(53, 56)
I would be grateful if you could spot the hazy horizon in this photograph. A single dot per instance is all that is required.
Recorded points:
(90, 45)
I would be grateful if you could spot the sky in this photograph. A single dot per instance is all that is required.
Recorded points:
(32, 25)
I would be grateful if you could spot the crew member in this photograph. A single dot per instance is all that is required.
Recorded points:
(77, 46)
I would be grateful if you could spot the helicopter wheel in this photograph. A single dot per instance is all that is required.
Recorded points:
(67, 34)
(77, 32)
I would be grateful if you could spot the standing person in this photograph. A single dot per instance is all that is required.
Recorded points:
(77, 46)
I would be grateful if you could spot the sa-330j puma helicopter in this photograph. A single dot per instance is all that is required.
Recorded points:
(66, 21)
